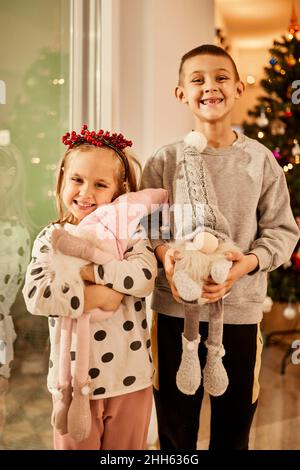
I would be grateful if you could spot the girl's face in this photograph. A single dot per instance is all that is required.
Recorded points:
(89, 181)
(209, 87)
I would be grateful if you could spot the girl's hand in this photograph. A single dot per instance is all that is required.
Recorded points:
(171, 256)
(242, 264)
(96, 296)
(87, 273)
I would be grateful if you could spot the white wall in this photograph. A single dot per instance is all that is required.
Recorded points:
(150, 37)
(249, 62)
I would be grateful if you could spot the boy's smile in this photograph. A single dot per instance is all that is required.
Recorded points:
(211, 101)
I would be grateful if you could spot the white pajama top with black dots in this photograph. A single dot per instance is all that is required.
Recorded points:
(14, 257)
(120, 354)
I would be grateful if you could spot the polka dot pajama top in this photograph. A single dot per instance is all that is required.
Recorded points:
(14, 257)
(120, 356)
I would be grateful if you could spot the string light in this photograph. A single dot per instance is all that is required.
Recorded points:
(250, 80)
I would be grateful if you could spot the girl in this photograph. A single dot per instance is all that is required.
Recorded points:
(14, 255)
(94, 171)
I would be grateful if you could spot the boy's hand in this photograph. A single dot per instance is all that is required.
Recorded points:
(242, 264)
(171, 256)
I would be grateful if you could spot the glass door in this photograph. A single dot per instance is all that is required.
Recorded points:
(34, 113)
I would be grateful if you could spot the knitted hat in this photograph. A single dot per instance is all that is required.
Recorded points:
(197, 206)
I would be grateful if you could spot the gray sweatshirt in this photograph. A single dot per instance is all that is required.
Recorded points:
(244, 192)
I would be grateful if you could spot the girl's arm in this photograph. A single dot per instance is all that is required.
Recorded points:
(39, 295)
(134, 275)
(96, 296)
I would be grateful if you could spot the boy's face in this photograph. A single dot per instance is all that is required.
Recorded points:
(209, 87)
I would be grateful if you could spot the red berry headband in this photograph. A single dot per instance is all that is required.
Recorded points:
(117, 142)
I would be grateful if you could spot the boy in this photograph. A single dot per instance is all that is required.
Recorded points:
(239, 178)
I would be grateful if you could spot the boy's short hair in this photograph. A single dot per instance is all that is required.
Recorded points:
(207, 49)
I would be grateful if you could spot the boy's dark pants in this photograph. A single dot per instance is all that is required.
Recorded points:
(231, 413)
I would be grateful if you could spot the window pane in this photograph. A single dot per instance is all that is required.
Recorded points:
(34, 113)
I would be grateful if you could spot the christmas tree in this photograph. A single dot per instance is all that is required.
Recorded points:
(276, 123)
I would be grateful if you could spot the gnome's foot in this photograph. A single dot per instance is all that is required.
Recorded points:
(79, 417)
(215, 379)
(188, 377)
(72, 245)
(187, 288)
(3, 392)
(61, 409)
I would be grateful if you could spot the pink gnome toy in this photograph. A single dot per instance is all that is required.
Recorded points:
(102, 236)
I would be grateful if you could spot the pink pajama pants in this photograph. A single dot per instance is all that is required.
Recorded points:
(118, 423)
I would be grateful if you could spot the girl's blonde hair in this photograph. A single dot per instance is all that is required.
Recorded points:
(123, 186)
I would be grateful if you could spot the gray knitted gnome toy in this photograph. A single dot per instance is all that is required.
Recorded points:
(201, 253)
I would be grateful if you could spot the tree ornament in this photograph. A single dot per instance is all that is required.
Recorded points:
(288, 113)
(276, 153)
(289, 92)
(296, 148)
(290, 60)
(296, 260)
(262, 120)
(278, 127)
(289, 312)
(267, 304)
(277, 67)
(273, 61)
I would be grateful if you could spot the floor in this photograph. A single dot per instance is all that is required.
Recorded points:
(276, 425)
(277, 420)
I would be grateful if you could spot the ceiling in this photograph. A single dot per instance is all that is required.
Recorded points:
(250, 18)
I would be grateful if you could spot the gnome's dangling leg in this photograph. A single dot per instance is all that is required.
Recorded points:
(215, 378)
(64, 390)
(79, 417)
(188, 377)
(3, 393)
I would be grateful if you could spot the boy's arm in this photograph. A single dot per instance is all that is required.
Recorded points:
(278, 232)
(152, 177)
(39, 295)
